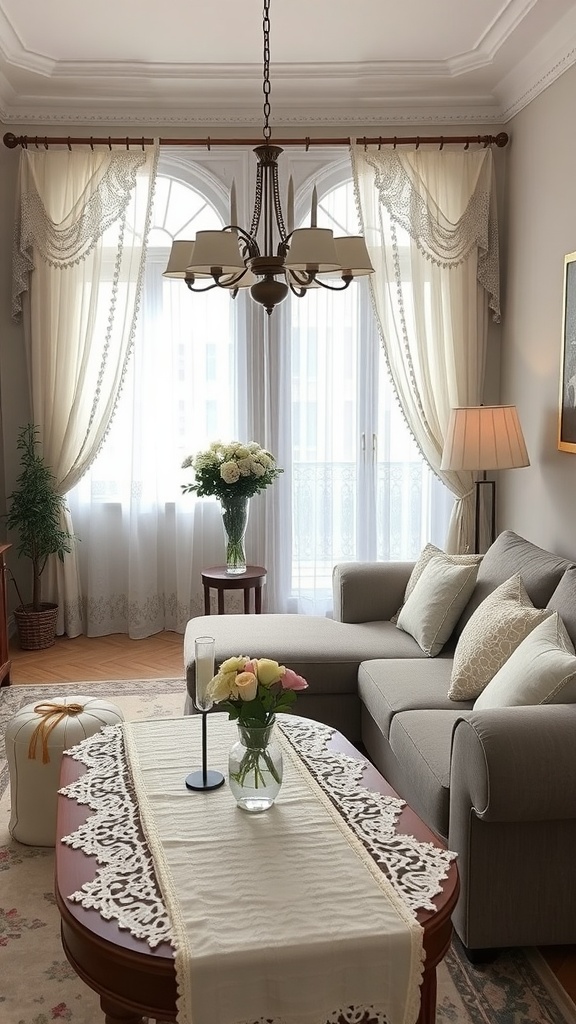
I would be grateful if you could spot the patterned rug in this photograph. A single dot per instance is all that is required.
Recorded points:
(518, 988)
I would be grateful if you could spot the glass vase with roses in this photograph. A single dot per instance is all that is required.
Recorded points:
(253, 691)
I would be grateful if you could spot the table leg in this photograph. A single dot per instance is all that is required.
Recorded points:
(247, 601)
(206, 599)
(220, 602)
(115, 1014)
(258, 600)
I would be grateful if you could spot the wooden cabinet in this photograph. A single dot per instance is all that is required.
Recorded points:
(5, 662)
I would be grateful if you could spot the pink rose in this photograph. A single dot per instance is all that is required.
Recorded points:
(292, 681)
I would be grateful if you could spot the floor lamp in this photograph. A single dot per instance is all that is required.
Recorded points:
(481, 438)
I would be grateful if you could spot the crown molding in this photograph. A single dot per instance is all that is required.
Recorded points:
(398, 116)
(459, 91)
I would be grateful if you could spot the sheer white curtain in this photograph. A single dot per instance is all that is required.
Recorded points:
(309, 383)
(429, 218)
(81, 228)
(143, 542)
(360, 488)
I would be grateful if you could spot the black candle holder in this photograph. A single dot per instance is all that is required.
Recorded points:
(204, 779)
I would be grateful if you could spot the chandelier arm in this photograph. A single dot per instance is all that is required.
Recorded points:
(301, 277)
(189, 282)
(347, 278)
(299, 292)
(220, 281)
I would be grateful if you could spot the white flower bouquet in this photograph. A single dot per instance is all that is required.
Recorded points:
(231, 470)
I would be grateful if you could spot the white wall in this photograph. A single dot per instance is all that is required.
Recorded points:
(540, 228)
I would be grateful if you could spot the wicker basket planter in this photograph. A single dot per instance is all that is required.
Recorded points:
(36, 630)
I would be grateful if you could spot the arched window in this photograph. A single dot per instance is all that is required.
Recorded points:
(206, 367)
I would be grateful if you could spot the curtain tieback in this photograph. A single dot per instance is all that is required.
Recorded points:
(468, 494)
(51, 716)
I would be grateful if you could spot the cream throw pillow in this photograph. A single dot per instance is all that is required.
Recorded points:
(436, 602)
(542, 670)
(428, 552)
(497, 627)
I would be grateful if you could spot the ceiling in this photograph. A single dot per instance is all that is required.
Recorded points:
(199, 62)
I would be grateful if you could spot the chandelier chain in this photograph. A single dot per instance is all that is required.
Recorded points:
(266, 131)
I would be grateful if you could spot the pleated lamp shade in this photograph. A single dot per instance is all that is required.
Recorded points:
(484, 437)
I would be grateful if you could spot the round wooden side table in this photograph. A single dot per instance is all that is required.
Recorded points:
(220, 580)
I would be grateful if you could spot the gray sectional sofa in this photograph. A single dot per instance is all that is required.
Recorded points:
(497, 784)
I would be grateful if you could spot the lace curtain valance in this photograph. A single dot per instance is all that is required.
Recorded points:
(447, 203)
(65, 206)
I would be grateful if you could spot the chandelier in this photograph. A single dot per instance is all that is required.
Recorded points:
(234, 258)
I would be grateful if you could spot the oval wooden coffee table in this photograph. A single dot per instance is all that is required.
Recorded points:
(133, 980)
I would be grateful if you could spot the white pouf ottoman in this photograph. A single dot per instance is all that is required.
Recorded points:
(36, 738)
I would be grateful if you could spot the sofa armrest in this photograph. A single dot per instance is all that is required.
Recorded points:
(369, 591)
(515, 764)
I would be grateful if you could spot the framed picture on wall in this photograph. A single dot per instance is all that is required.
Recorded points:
(567, 411)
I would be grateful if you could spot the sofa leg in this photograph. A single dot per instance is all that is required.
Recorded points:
(481, 956)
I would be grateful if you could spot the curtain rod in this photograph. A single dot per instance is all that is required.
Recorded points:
(13, 141)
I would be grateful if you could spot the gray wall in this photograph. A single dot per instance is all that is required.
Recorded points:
(539, 502)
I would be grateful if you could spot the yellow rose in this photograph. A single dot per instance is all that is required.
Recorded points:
(237, 664)
(268, 671)
(221, 687)
(247, 685)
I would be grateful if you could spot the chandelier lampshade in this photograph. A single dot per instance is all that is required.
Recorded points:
(269, 258)
(216, 253)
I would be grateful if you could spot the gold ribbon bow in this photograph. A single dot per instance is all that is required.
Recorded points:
(51, 716)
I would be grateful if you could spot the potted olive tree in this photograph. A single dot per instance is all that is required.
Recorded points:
(35, 508)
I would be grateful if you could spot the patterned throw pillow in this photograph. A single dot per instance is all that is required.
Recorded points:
(542, 670)
(436, 602)
(497, 627)
(428, 552)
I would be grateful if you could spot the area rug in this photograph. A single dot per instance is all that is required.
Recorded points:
(38, 986)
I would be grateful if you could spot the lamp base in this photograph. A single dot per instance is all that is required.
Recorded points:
(490, 485)
(204, 780)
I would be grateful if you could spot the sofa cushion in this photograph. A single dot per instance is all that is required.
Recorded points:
(563, 601)
(434, 605)
(387, 687)
(496, 629)
(542, 670)
(540, 571)
(428, 552)
(325, 652)
(421, 741)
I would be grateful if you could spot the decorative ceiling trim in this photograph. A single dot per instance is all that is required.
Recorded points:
(453, 92)
(386, 115)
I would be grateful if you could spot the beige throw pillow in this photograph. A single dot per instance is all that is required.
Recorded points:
(497, 627)
(436, 603)
(427, 553)
(542, 670)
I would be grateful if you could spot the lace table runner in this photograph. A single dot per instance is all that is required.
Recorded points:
(283, 916)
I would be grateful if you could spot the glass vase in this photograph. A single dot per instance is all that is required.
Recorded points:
(255, 768)
(235, 521)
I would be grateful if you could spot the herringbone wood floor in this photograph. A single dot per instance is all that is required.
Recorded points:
(108, 657)
(157, 657)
